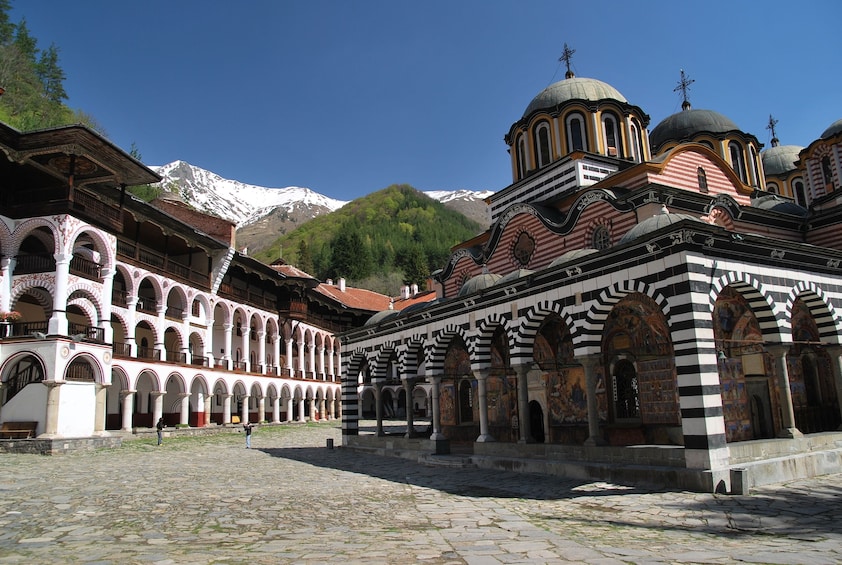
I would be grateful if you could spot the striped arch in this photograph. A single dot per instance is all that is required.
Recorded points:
(533, 319)
(27, 227)
(435, 356)
(380, 362)
(356, 363)
(826, 317)
(42, 290)
(87, 292)
(84, 303)
(105, 246)
(119, 319)
(409, 360)
(481, 359)
(5, 238)
(590, 339)
(131, 285)
(761, 304)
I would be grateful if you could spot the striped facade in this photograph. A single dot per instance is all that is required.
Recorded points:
(668, 303)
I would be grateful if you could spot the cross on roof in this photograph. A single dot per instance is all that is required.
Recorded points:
(771, 126)
(566, 56)
(684, 87)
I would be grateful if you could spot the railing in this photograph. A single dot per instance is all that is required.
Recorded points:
(87, 333)
(85, 268)
(148, 257)
(80, 371)
(121, 349)
(147, 305)
(199, 361)
(177, 357)
(239, 365)
(148, 353)
(174, 312)
(34, 263)
(86, 203)
(62, 199)
(271, 370)
(24, 329)
(119, 298)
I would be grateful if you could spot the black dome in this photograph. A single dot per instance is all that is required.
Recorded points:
(687, 123)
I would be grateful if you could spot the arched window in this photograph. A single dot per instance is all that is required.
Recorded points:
(612, 135)
(755, 177)
(576, 136)
(827, 173)
(772, 188)
(542, 144)
(25, 371)
(798, 193)
(738, 162)
(601, 238)
(703, 179)
(637, 143)
(520, 155)
(626, 391)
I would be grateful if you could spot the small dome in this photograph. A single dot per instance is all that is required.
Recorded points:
(687, 123)
(834, 128)
(382, 316)
(478, 283)
(573, 89)
(513, 276)
(780, 159)
(572, 255)
(656, 222)
(777, 204)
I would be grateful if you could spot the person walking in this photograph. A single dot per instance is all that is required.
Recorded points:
(160, 427)
(248, 427)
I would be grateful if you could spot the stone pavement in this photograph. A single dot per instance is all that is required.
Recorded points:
(290, 499)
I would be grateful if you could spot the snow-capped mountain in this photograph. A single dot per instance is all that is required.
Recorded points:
(262, 214)
(246, 204)
(236, 201)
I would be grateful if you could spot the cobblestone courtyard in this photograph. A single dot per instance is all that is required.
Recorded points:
(292, 500)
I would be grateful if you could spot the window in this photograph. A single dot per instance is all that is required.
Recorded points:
(520, 155)
(703, 179)
(772, 188)
(827, 172)
(612, 136)
(637, 143)
(601, 238)
(542, 144)
(576, 138)
(755, 177)
(466, 402)
(737, 160)
(798, 193)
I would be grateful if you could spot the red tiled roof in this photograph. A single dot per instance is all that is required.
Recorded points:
(358, 298)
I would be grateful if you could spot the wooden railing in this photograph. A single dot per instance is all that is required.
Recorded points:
(85, 268)
(177, 357)
(34, 263)
(87, 333)
(121, 349)
(136, 253)
(148, 353)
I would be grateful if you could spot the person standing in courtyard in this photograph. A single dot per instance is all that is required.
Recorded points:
(248, 427)
(160, 427)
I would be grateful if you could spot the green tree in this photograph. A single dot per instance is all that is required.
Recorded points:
(305, 261)
(415, 266)
(7, 28)
(51, 75)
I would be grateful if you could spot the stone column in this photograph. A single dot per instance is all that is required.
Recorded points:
(301, 417)
(301, 366)
(290, 409)
(525, 433)
(246, 347)
(482, 397)
(312, 406)
(408, 387)
(228, 330)
(244, 409)
(787, 413)
(157, 405)
(184, 416)
(276, 355)
(207, 408)
(321, 365)
(100, 409)
(105, 319)
(261, 408)
(276, 410)
(322, 414)
(160, 324)
(436, 416)
(226, 408)
(7, 267)
(311, 361)
(58, 321)
(51, 414)
(127, 398)
(289, 357)
(836, 363)
(378, 407)
(591, 363)
(261, 353)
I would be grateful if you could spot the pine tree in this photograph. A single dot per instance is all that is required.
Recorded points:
(51, 76)
(305, 261)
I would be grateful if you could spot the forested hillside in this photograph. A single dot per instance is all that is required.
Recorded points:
(388, 238)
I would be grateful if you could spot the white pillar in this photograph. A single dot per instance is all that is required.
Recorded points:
(58, 320)
(276, 410)
(482, 397)
(289, 410)
(261, 351)
(127, 397)
(184, 415)
(226, 408)
(436, 416)
(244, 409)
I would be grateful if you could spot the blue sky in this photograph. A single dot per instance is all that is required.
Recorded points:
(348, 97)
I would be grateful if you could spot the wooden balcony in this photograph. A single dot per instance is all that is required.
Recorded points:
(154, 261)
(51, 200)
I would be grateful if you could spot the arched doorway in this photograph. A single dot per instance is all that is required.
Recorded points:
(536, 421)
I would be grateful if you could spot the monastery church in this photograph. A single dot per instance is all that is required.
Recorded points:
(655, 305)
